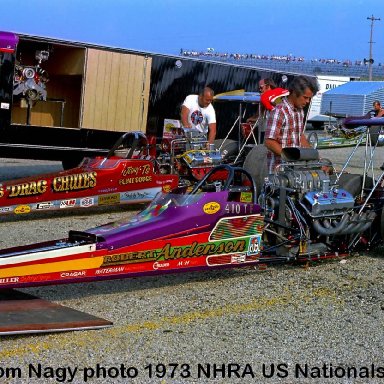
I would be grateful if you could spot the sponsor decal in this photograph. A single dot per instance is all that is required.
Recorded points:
(109, 199)
(87, 202)
(4, 106)
(107, 271)
(211, 208)
(134, 180)
(45, 205)
(85, 180)
(188, 158)
(240, 258)
(144, 169)
(165, 182)
(168, 252)
(5, 209)
(133, 175)
(138, 195)
(21, 209)
(246, 197)
(183, 263)
(7, 280)
(107, 190)
(160, 265)
(70, 203)
(68, 275)
(196, 249)
(25, 189)
(254, 245)
(65, 183)
(130, 257)
(167, 188)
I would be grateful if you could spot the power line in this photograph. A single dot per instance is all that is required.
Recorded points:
(370, 61)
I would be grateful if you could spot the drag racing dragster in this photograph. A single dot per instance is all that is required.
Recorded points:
(131, 172)
(338, 135)
(126, 175)
(329, 212)
(216, 224)
(305, 211)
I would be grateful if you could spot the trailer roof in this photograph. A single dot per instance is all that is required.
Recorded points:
(357, 88)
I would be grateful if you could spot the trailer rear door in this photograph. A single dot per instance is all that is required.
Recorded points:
(115, 91)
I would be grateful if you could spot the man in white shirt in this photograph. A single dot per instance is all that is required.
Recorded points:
(197, 112)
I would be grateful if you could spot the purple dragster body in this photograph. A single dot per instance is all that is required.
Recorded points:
(175, 232)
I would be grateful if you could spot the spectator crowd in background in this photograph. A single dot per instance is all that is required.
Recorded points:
(210, 53)
(291, 62)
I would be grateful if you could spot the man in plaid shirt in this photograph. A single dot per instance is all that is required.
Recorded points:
(285, 125)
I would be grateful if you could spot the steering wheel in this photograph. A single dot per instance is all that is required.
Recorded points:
(234, 181)
(131, 140)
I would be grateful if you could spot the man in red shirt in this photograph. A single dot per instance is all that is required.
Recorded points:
(285, 124)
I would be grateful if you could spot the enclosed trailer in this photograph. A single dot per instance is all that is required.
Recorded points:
(326, 83)
(62, 100)
(354, 98)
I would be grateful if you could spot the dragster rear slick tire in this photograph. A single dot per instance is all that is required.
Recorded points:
(228, 149)
(256, 165)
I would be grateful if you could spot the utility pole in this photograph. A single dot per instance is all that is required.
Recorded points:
(370, 61)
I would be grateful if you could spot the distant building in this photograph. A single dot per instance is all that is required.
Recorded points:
(354, 98)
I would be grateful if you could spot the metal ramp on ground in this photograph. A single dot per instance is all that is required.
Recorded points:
(22, 313)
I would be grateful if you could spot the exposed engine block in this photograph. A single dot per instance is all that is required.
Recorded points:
(334, 202)
(201, 158)
(300, 190)
(189, 155)
(313, 190)
(29, 81)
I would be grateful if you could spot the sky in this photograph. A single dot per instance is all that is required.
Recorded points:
(313, 29)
